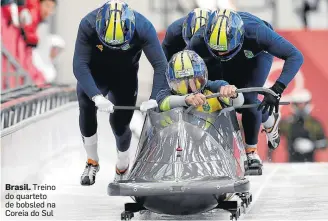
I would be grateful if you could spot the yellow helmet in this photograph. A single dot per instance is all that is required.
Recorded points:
(194, 21)
(115, 25)
(186, 73)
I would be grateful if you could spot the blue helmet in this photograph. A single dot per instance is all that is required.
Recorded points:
(224, 34)
(195, 19)
(115, 25)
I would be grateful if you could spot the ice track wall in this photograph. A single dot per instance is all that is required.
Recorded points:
(29, 145)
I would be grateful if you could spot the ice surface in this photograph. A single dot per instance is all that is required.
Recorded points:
(284, 192)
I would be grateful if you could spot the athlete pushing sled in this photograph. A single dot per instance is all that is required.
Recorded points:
(179, 33)
(239, 47)
(106, 61)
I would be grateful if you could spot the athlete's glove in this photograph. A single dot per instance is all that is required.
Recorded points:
(271, 102)
(146, 105)
(103, 104)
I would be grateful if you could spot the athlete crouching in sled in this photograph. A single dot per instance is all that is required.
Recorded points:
(109, 44)
(176, 38)
(188, 80)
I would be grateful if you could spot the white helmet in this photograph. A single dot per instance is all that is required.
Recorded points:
(57, 41)
(301, 102)
(301, 96)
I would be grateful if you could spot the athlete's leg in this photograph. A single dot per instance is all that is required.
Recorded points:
(88, 122)
(120, 122)
(252, 118)
(271, 128)
(88, 128)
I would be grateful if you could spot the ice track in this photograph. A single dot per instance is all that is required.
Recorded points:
(49, 151)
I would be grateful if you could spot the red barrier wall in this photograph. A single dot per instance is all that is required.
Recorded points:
(313, 76)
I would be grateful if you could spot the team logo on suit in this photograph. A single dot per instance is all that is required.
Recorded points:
(248, 54)
(100, 47)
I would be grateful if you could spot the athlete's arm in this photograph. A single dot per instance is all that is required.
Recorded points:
(167, 101)
(198, 45)
(215, 86)
(155, 55)
(278, 46)
(172, 101)
(173, 41)
(82, 58)
(168, 44)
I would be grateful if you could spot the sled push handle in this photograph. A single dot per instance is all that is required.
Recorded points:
(241, 90)
(126, 108)
(261, 90)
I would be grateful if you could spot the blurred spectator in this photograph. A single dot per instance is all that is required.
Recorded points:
(215, 4)
(307, 7)
(45, 63)
(186, 6)
(304, 133)
(34, 12)
(9, 9)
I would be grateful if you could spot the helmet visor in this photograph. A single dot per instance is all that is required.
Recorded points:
(225, 55)
(188, 85)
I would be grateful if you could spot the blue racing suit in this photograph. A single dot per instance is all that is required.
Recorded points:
(251, 66)
(173, 41)
(100, 70)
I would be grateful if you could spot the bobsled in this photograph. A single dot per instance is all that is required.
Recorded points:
(187, 162)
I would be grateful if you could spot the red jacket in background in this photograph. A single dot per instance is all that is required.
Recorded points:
(30, 31)
(5, 10)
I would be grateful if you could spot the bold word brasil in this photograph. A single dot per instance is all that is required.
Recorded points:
(27, 187)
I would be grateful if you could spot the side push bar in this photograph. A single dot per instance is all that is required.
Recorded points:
(126, 108)
(241, 90)
(260, 90)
